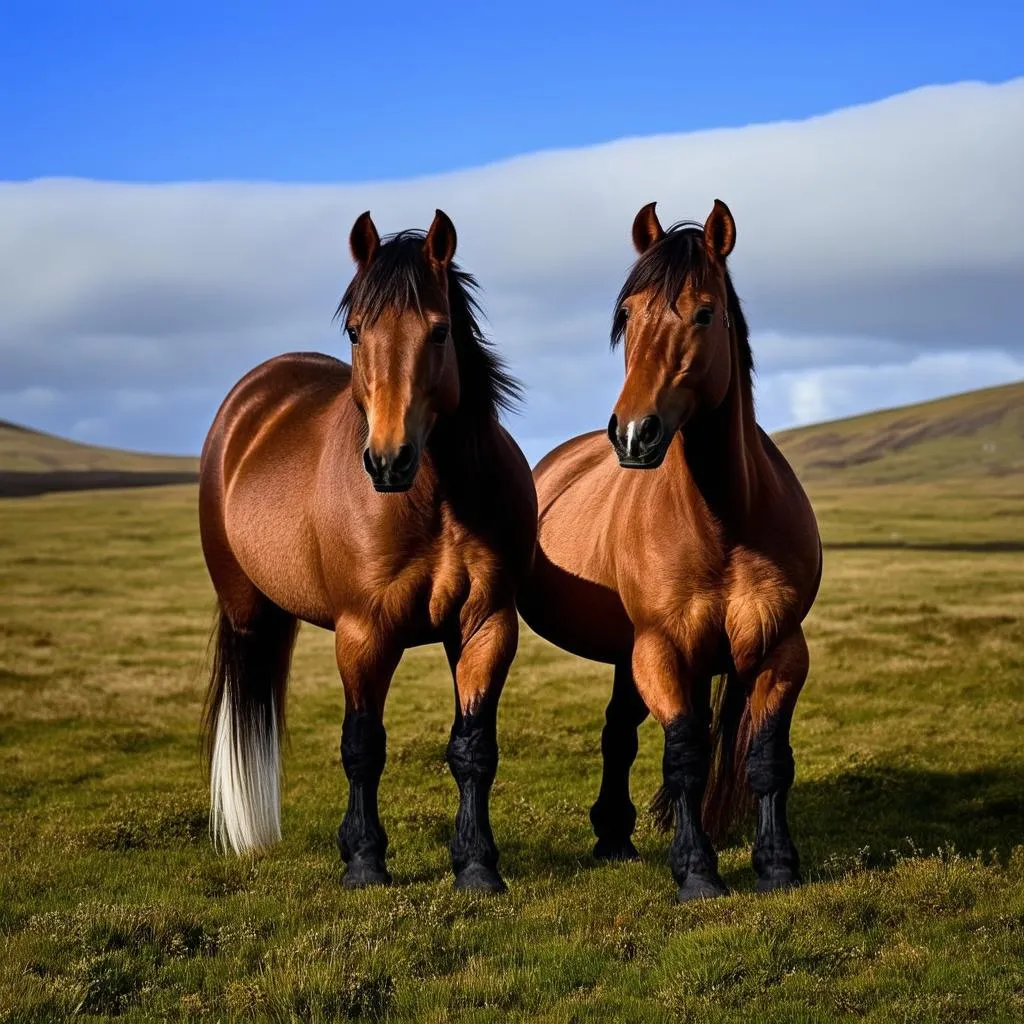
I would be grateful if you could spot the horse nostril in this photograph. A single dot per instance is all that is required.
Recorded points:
(404, 459)
(650, 431)
(613, 431)
(368, 463)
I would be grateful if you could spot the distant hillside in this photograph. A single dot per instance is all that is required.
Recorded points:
(977, 434)
(32, 462)
(25, 450)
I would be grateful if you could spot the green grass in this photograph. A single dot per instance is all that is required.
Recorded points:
(908, 807)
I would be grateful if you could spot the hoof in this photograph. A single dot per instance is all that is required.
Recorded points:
(479, 878)
(781, 878)
(363, 873)
(697, 887)
(611, 849)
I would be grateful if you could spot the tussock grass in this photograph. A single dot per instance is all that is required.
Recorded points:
(908, 807)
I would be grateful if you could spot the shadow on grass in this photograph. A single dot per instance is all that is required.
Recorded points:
(867, 813)
(561, 860)
(862, 818)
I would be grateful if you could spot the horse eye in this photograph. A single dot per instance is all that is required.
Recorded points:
(439, 334)
(353, 334)
(704, 316)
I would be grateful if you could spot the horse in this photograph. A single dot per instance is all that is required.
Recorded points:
(382, 500)
(679, 546)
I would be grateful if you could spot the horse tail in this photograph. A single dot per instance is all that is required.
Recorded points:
(243, 723)
(728, 797)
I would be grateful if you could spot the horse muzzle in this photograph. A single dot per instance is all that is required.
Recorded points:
(392, 472)
(639, 444)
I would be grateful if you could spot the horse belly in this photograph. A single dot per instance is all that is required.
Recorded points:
(273, 545)
(570, 598)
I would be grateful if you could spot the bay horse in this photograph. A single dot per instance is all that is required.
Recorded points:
(383, 501)
(678, 545)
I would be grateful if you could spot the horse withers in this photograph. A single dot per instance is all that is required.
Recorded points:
(679, 546)
(381, 500)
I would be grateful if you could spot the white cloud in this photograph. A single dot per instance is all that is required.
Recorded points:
(808, 396)
(872, 244)
(28, 404)
(808, 399)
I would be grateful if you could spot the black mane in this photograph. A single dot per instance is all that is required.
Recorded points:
(666, 267)
(396, 278)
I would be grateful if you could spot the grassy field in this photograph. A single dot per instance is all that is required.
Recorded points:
(908, 807)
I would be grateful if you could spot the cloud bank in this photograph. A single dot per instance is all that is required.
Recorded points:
(880, 259)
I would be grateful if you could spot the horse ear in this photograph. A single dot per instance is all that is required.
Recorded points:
(719, 231)
(647, 229)
(364, 240)
(439, 244)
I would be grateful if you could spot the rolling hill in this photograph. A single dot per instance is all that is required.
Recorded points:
(945, 475)
(32, 462)
(971, 435)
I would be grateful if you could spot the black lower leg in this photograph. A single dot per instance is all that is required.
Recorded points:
(770, 770)
(473, 759)
(685, 766)
(362, 840)
(613, 815)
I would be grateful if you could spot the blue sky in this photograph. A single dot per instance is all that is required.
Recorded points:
(164, 91)
(220, 152)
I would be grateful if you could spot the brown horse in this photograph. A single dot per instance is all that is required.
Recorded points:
(383, 501)
(705, 566)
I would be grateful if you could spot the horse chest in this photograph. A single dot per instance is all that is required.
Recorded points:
(740, 598)
(762, 605)
(465, 580)
(417, 593)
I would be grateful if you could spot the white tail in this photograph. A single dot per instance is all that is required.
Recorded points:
(245, 789)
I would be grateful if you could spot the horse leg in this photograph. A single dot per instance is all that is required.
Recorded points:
(770, 766)
(613, 815)
(682, 706)
(480, 664)
(366, 669)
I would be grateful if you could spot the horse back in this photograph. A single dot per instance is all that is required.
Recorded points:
(303, 382)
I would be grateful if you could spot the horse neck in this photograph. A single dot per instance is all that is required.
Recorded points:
(459, 444)
(461, 440)
(723, 451)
